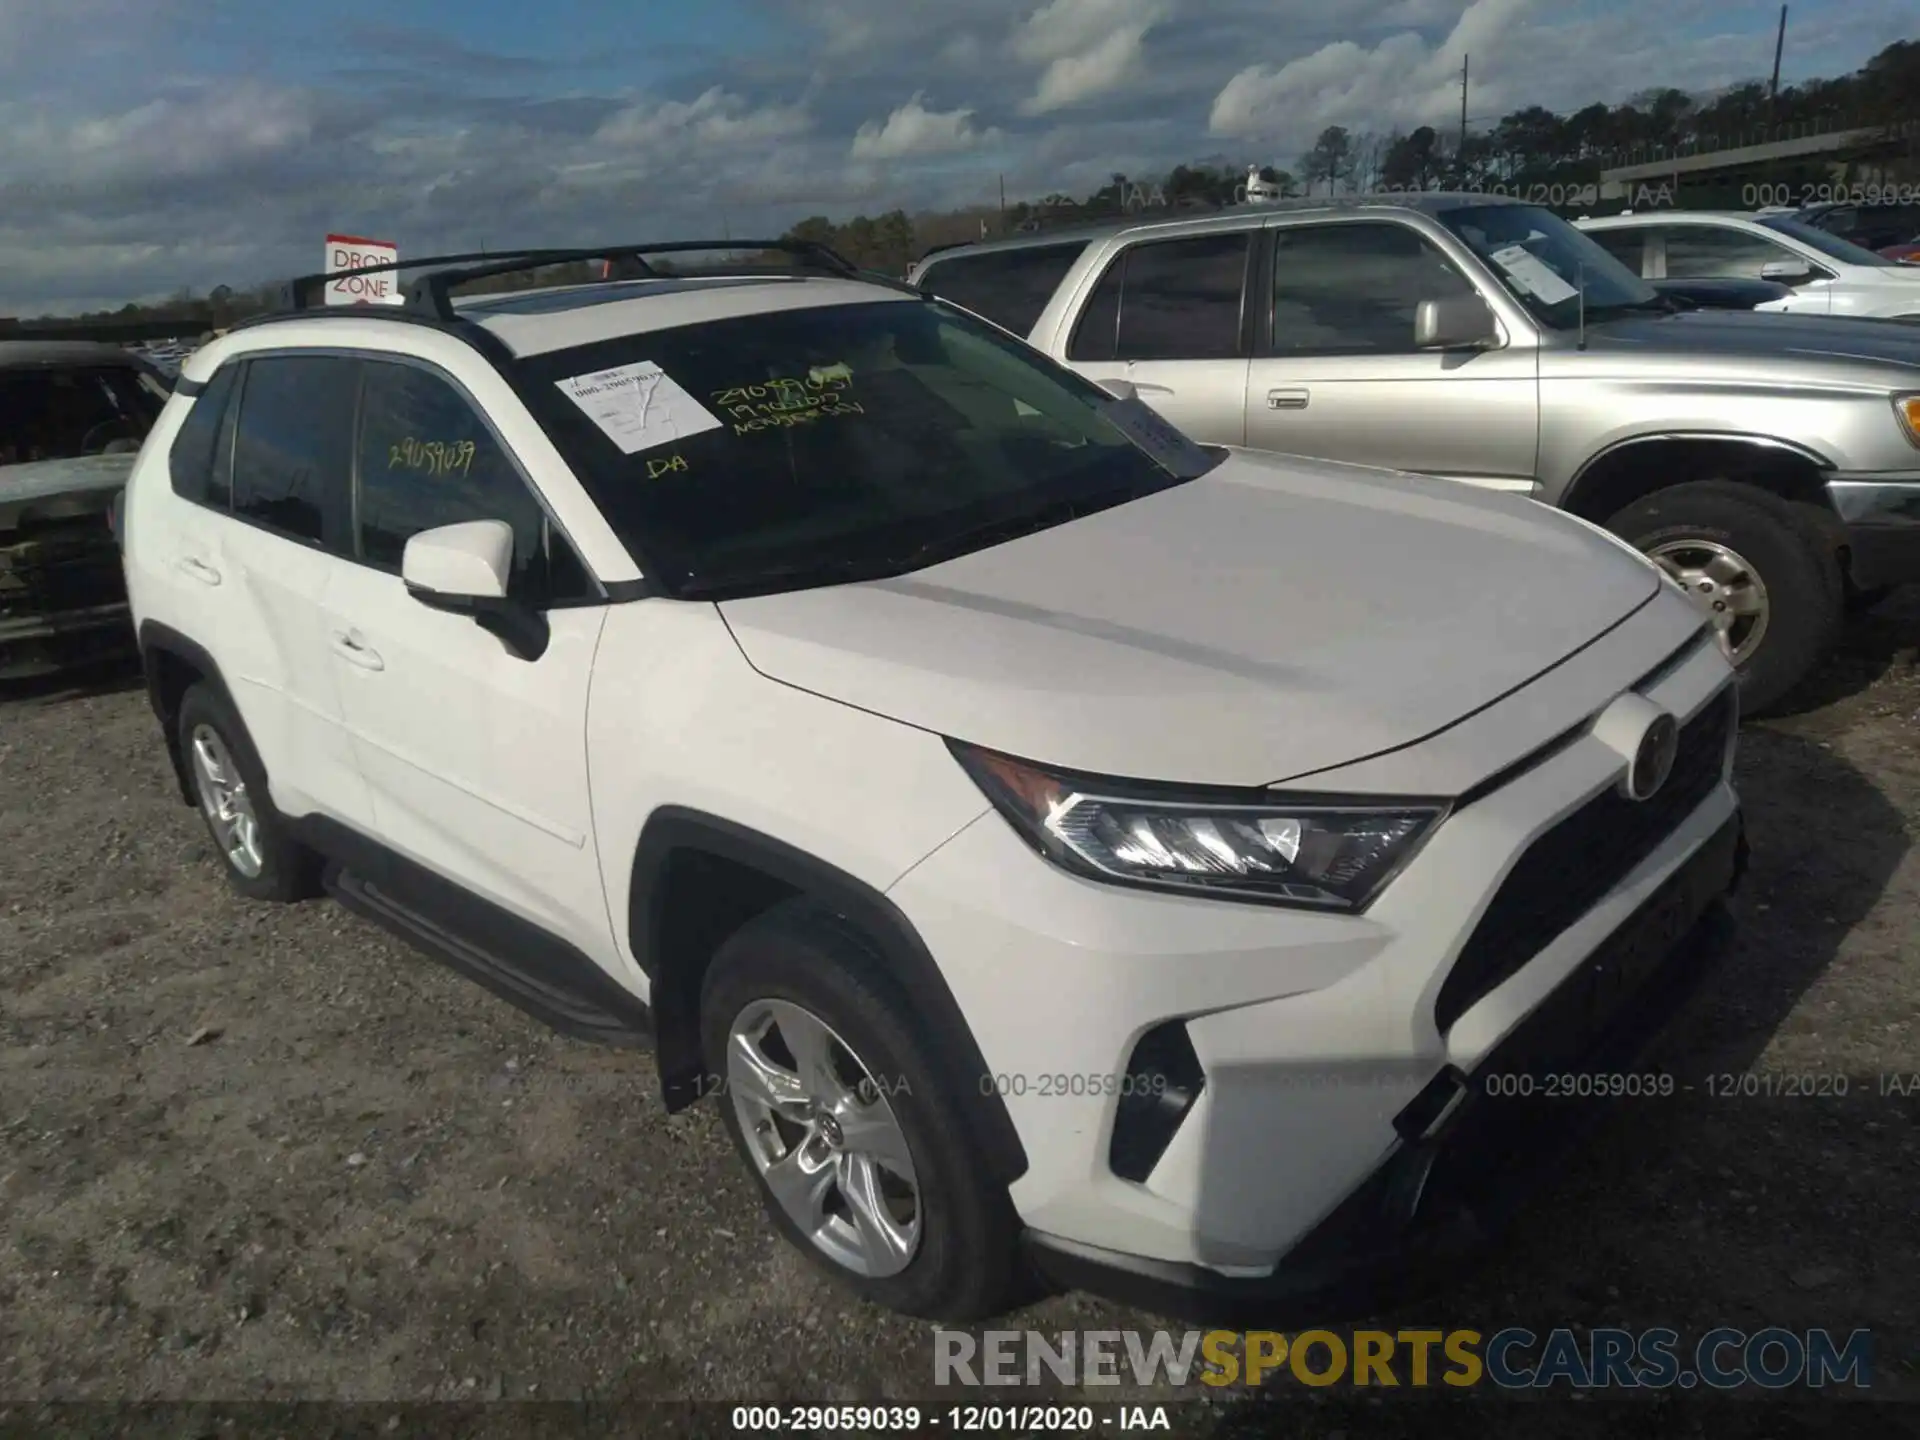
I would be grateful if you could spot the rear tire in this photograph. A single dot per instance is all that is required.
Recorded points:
(950, 1255)
(1758, 569)
(262, 861)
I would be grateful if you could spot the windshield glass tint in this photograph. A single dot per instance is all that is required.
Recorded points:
(1825, 241)
(791, 448)
(1544, 261)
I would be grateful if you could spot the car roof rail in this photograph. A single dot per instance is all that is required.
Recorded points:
(303, 291)
(429, 295)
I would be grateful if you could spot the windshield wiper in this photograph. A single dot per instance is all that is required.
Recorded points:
(775, 578)
(997, 531)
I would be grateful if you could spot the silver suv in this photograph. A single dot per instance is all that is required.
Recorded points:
(1770, 463)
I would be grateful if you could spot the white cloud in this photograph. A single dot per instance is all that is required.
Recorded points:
(1402, 81)
(1089, 48)
(915, 130)
(206, 130)
(136, 158)
(716, 119)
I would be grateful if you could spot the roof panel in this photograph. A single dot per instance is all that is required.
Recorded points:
(608, 312)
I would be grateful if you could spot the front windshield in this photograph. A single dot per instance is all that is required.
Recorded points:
(808, 446)
(1825, 241)
(1545, 262)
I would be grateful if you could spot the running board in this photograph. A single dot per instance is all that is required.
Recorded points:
(568, 1009)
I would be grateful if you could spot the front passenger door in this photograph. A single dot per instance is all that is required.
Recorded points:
(1338, 375)
(1699, 251)
(475, 756)
(1169, 316)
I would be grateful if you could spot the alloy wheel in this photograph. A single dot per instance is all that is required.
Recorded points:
(823, 1135)
(224, 799)
(1725, 586)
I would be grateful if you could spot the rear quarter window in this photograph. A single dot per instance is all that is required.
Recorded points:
(1009, 287)
(199, 464)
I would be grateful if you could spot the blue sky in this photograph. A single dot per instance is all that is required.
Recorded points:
(150, 144)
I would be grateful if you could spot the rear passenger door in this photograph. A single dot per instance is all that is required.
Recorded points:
(1338, 375)
(1171, 317)
(265, 461)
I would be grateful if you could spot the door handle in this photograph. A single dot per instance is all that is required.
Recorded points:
(1290, 399)
(348, 647)
(198, 569)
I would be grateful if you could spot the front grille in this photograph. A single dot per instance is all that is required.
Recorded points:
(1571, 868)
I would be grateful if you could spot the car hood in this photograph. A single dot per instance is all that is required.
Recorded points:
(1763, 335)
(1277, 617)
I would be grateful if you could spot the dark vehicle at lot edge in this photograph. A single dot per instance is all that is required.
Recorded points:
(1769, 462)
(72, 417)
(1872, 226)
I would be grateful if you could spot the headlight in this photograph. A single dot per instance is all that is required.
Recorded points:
(1314, 853)
(1908, 408)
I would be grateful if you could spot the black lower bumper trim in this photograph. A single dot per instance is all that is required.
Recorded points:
(1435, 1204)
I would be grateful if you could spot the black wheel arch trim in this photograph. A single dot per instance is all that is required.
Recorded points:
(156, 640)
(1720, 437)
(672, 829)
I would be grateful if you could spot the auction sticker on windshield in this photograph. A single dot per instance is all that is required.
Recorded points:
(1167, 447)
(1527, 269)
(638, 406)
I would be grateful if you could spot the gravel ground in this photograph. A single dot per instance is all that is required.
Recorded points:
(258, 1153)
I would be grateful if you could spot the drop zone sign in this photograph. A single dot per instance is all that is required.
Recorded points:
(350, 252)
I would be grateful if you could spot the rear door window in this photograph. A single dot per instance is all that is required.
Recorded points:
(1008, 287)
(1628, 246)
(1168, 300)
(293, 451)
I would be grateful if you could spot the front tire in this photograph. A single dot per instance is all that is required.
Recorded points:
(1756, 568)
(856, 1140)
(262, 861)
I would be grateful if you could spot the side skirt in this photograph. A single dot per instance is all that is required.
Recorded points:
(525, 965)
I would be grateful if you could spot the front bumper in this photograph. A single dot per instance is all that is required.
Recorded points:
(1881, 514)
(1454, 1181)
(1309, 1032)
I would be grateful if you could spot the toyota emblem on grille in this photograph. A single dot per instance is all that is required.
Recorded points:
(1653, 759)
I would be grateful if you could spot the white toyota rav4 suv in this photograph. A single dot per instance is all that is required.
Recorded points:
(1061, 850)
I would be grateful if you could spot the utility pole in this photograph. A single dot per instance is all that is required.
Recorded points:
(1003, 204)
(1773, 90)
(1461, 158)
